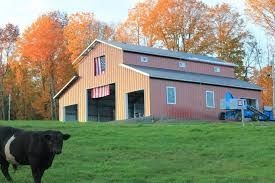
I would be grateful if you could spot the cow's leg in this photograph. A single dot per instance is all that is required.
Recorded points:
(37, 174)
(37, 171)
(5, 170)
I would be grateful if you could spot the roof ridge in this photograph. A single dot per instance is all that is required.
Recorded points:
(156, 52)
(168, 53)
(161, 49)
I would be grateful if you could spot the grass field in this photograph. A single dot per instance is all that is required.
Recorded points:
(165, 152)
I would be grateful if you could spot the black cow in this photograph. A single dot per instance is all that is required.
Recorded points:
(34, 148)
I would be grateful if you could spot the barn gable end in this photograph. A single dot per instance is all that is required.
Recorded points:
(115, 75)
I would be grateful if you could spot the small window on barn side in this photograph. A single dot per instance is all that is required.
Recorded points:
(171, 95)
(99, 65)
(144, 59)
(217, 69)
(210, 101)
(182, 64)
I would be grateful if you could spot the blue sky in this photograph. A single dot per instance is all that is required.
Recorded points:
(24, 12)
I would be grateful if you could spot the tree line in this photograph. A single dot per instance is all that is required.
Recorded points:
(35, 64)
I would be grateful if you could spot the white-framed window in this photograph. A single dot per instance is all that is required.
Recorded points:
(217, 69)
(144, 59)
(182, 64)
(171, 95)
(209, 99)
(99, 65)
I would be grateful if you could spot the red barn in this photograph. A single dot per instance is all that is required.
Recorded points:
(118, 81)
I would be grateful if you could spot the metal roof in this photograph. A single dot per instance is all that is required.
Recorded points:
(154, 51)
(168, 53)
(195, 78)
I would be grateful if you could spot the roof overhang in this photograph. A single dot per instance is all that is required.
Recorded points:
(206, 83)
(172, 75)
(133, 69)
(67, 85)
(212, 62)
(89, 48)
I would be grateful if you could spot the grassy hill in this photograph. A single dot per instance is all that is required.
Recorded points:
(167, 152)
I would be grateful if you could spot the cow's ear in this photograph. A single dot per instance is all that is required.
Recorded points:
(66, 136)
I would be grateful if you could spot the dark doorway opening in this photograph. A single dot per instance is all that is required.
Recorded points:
(251, 102)
(102, 109)
(136, 104)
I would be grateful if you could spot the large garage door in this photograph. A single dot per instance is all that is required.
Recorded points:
(71, 113)
(102, 108)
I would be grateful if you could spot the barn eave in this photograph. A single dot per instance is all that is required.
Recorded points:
(167, 74)
(66, 86)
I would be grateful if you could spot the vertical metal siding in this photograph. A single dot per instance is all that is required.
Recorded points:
(126, 81)
(191, 101)
(170, 63)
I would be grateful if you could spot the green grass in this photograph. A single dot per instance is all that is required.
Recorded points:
(164, 152)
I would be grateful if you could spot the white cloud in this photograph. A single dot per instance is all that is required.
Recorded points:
(38, 6)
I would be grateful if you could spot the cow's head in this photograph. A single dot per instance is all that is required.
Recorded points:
(54, 140)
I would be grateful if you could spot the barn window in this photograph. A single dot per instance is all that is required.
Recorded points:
(217, 69)
(99, 65)
(182, 64)
(171, 95)
(210, 102)
(144, 59)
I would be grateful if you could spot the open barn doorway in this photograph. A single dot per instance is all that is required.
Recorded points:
(70, 113)
(252, 102)
(101, 107)
(135, 101)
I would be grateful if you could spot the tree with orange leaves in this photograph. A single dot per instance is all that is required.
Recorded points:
(263, 13)
(43, 47)
(8, 37)
(182, 25)
(229, 35)
(24, 91)
(82, 29)
(134, 30)
(187, 26)
(263, 79)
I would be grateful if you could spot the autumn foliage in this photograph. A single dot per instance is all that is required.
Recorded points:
(82, 29)
(8, 36)
(35, 65)
(264, 80)
(262, 12)
(187, 26)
